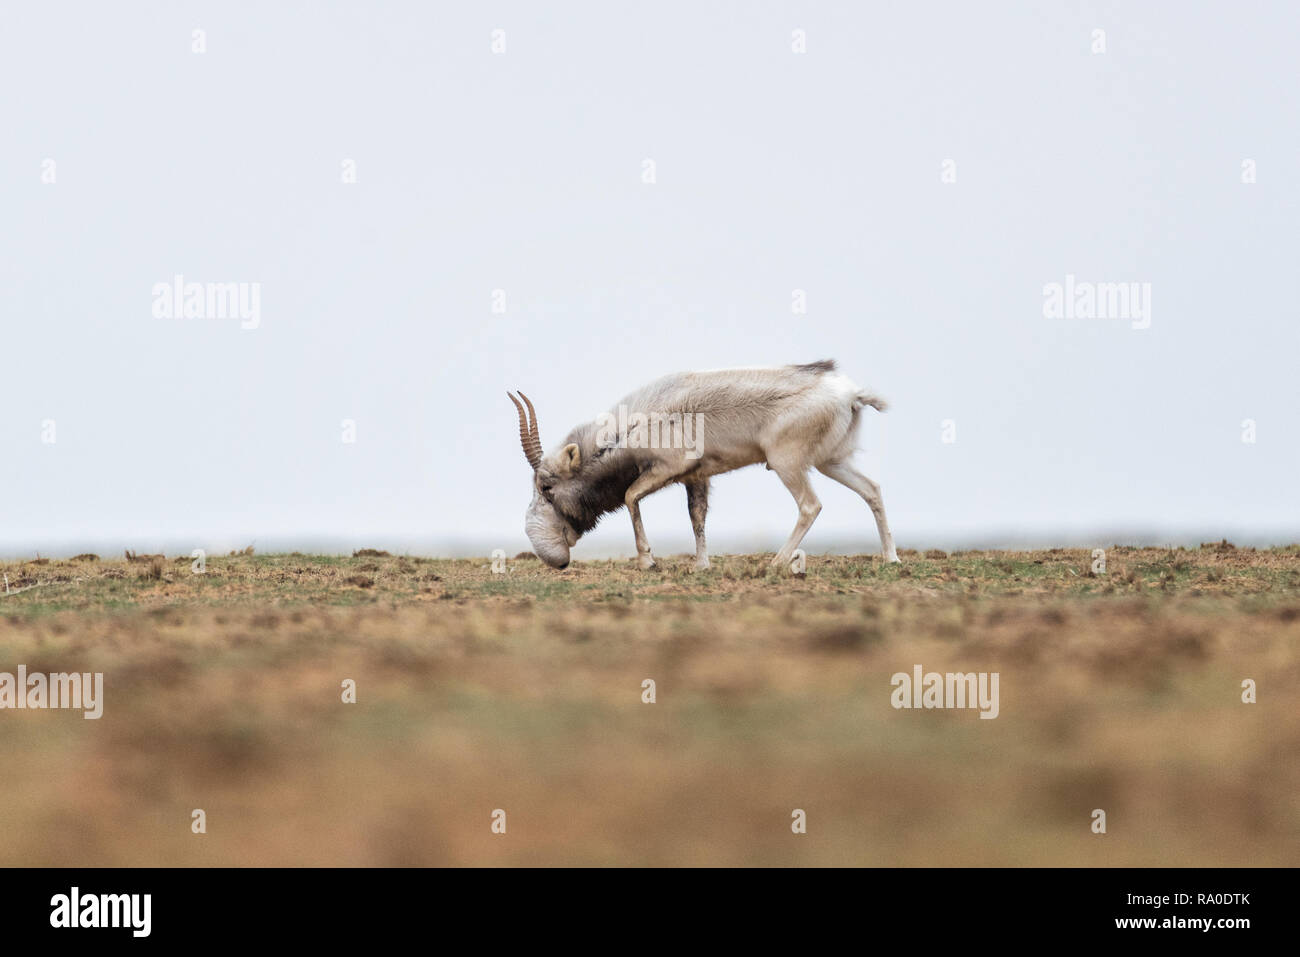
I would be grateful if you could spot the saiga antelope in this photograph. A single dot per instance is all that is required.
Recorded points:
(686, 428)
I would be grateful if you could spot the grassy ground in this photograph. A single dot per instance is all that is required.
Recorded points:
(523, 692)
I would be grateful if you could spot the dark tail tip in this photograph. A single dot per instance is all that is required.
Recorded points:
(818, 367)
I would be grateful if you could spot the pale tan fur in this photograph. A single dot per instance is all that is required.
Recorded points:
(792, 418)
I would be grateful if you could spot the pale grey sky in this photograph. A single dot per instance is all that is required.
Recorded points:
(523, 171)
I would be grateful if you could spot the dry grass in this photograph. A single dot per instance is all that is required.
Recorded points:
(523, 691)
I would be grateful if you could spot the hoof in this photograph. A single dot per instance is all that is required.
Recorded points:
(646, 562)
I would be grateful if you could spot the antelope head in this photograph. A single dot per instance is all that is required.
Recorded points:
(551, 534)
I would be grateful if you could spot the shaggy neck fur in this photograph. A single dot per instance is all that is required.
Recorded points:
(602, 481)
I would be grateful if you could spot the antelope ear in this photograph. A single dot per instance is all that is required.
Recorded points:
(570, 458)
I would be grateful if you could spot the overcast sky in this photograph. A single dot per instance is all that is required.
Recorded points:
(921, 173)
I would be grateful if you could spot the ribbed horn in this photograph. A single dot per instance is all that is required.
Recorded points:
(528, 437)
(532, 425)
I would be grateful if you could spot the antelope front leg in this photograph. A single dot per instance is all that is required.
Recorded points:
(697, 503)
(643, 556)
(648, 481)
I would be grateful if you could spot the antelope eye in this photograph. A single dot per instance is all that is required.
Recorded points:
(546, 489)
